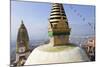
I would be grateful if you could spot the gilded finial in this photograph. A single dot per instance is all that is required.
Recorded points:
(21, 21)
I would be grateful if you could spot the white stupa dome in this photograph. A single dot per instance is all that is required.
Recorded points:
(47, 54)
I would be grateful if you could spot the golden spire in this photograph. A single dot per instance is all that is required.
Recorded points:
(22, 37)
(22, 22)
(58, 27)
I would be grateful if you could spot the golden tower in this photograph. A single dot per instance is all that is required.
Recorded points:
(58, 28)
(22, 46)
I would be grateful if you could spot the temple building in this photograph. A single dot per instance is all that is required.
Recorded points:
(59, 49)
(22, 46)
(89, 47)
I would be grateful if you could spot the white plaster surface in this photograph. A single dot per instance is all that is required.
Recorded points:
(47, 54)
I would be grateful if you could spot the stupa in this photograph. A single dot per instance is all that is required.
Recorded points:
(59, 50)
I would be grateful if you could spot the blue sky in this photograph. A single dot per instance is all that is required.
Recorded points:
(35, 16)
